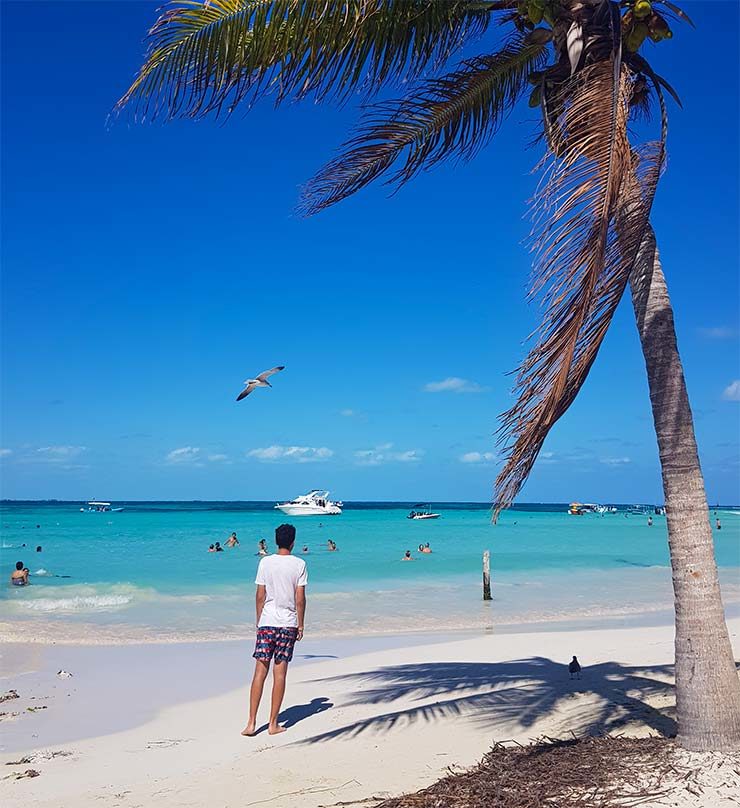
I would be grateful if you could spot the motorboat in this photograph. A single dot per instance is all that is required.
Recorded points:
(579, 508)
(426, 513)
(314, 503)
(100, 507)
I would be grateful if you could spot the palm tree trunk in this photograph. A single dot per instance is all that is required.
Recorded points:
(707, 685)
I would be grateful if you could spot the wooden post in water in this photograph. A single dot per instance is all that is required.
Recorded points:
(486, 575)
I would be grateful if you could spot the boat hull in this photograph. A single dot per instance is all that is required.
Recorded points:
(307, 510)
(425, 516)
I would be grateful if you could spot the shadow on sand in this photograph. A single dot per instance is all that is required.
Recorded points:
(607, 698)
(292, 715)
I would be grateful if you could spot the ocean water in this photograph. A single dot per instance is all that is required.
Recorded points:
(145, 572)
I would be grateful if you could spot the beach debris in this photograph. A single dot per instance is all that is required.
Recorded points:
(593, 772)
(11, 694)
(22, 775)
(258, 381)
(62, 674)
(167, 742)
(36, 708)
(38, 757)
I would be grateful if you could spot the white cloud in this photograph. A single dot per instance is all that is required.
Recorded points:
(291, 454)
(453, 384)
(5, 452)
(719, 332)
(217, 458)
(347, 413)
(186, 454)
(57, 454)
(615, 461)
(383, 454)
(732, 391)
(478, 457)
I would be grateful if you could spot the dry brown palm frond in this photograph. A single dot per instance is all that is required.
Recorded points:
(451, 116)
(590, 217)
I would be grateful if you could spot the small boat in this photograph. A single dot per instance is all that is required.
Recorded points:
(638, 510)
(579, 508)
(423, 514)
(314, 503)
(100, 507)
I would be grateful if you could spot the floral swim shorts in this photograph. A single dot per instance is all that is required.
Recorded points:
(276, 643)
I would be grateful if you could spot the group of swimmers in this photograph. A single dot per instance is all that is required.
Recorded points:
(424, 549)
(232, 541)
(19, 576)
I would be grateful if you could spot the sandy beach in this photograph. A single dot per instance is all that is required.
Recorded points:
(159, 724)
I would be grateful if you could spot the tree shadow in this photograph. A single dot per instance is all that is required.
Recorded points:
(608, 697)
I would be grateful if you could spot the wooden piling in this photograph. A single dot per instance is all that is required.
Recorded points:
(487, 575)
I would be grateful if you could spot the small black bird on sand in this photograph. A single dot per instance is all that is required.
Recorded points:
(574, 668)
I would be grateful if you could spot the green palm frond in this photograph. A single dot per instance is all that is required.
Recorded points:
(451, 116)
(211, 56)
(590, 218)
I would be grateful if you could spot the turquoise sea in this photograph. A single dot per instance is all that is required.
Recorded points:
(145, 572)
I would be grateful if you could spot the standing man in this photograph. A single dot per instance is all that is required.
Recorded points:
(281, 607)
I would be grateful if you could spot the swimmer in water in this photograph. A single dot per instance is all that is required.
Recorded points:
(218, 548)
(407, 556)
(331, 546)
(426, 548)
(211, 549)
(19, 576)
(232, 541)
(262, 548)
(305, 549)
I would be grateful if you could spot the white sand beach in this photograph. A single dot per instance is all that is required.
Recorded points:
(160, 724)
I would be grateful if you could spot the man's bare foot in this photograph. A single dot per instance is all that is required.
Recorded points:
(249, 730)
(275, 729)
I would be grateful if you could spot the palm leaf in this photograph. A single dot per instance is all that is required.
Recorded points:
(204, 57)
(590, 214)
(451, 116)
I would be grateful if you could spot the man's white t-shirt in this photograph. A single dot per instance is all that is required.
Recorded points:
(280, 575)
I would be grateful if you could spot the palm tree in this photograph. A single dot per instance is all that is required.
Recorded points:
(579, 63)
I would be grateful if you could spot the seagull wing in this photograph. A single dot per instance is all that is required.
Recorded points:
(265, 373)
(246, 391)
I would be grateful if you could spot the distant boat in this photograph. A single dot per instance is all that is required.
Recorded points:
(314, 503)
(579, 508)
(423, 514)
(99, 507)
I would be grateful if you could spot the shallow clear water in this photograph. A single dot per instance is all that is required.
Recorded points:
(148, 568)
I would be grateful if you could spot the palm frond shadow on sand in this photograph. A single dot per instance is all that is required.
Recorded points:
(608, 697)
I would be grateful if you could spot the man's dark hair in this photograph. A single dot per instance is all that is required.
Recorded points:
(19, 565)
(285, 537)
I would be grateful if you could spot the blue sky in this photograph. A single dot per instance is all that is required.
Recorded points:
(148, 270)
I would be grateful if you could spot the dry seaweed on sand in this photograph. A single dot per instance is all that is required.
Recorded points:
(605, 772)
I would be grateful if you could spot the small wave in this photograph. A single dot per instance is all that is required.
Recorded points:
(80, 603)
(43, 572)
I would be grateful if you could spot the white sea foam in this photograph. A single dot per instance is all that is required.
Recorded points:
(77, 604)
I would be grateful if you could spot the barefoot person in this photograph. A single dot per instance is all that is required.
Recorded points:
(281, 606)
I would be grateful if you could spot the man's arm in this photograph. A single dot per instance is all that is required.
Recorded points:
(260, 601)
(300, 605)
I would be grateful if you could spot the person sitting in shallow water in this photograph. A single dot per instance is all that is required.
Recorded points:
(331, 546)
(211, 549)
(407, 556)
(262, 548)
(19, 576)
(232, 541)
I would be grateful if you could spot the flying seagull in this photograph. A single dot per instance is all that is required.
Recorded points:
(260, 381)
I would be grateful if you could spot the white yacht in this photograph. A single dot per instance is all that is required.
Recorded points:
(314, 503)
